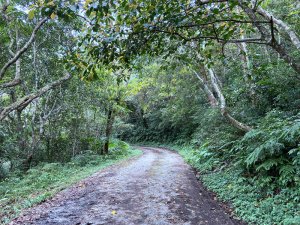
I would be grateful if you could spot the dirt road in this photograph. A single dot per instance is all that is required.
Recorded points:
(157, 188)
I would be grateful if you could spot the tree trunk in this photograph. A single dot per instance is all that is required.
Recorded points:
(20, 132)
(210, 96)
(223, 108)
(285, 56)
(269, 37)
(247, 70)
(22, 50)
(24, 101)
(19, 125)
(204, 81)
(108, 130)
(292, 34)
(27, 162)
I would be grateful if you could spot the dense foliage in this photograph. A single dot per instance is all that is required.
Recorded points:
(45, 116)
(250, 197)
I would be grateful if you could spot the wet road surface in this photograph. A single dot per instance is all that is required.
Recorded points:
(157, 188)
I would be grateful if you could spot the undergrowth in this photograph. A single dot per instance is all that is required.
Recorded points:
(43, 181)
(254, 201)
(251, 201)
(258, 173)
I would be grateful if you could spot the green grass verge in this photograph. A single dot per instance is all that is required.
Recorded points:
(45, 180)
(252, 202)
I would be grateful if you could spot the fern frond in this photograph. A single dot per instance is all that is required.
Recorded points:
(267, 149)
(268, 164)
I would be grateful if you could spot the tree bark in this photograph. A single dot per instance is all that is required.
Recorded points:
(292, 34)
(223, 107)
(108, 130)
(210, 96)
(24, 101)
(247, 70)
(23, 49)
(204, 81)
(17, 79)
(19, 125)
(269, 37)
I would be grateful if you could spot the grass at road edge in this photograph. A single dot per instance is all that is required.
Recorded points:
(44, 181)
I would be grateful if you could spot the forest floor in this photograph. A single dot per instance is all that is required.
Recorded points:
(157, 187)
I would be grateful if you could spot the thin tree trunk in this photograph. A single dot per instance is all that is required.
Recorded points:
(285, 56)
(17, 79)
(34, 137)
(36, 78)
(20, 131)
(247, 70)
(108, 130)
(204, 81)
(19, 122)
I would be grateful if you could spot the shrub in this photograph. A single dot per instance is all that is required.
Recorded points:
(118, 147)
(87, 157)
(272, 150)
(5, 168)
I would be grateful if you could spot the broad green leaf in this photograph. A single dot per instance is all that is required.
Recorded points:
(31, 14)
(52, 16)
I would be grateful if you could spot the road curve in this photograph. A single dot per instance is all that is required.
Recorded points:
(157, 188)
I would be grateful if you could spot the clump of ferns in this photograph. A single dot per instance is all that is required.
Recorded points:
(271, 153)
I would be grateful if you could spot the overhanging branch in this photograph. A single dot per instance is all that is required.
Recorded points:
(26, 100)
(23, 49)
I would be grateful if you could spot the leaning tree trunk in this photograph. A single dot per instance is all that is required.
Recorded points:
(108, 131)
(213, 102)
(223, 107)
(285, 27)
(21, 103)
(22, 50)
(269, 37)
(203, 78)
